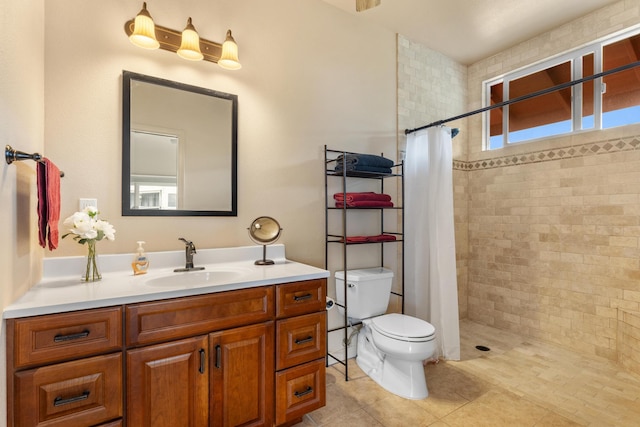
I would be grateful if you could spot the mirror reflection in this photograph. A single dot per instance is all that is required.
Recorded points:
(179, 149)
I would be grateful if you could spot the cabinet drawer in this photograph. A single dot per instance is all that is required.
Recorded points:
(79, 393)
(300, 390)
(300, 339)
(297, 298)
(57, 337)
(184, 317)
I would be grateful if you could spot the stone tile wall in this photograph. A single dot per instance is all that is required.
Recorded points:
(554, 243)
(629, 340)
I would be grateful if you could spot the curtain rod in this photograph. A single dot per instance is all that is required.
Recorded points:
(528, 96)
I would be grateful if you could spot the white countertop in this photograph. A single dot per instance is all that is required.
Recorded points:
(226, 269)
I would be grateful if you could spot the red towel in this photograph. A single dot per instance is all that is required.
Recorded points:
(362, 196)
(365, 239)
(365, 204)
(356, 239)
(41, 173)
(48, 182)
(382, 238)
(53, 203)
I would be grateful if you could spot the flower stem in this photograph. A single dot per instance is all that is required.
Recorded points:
(92, 274)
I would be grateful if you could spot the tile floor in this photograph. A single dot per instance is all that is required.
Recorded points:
(519, 382)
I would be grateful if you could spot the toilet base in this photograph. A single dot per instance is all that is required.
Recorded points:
(400, 377)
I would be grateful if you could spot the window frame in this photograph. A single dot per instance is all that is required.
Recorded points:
(575, 57)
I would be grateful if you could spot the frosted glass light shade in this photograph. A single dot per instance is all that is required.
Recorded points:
(190, 45)
(229, 56)
(144, 31)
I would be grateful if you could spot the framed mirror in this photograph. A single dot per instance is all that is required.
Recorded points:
(179, 149)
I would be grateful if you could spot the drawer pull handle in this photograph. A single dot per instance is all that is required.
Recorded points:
(203, 360)
(304, 340)
(299, 394)
(59, 401)
(71, 337)
(218, 356)
(302, 297)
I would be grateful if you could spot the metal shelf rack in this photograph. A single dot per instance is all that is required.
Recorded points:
(331, 158)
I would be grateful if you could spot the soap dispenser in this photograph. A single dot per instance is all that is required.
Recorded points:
(140, 262)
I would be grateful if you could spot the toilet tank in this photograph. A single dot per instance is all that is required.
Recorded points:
(368, 291)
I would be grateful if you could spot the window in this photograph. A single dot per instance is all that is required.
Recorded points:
(613, 100)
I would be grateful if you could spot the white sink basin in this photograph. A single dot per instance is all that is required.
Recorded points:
(191, 279)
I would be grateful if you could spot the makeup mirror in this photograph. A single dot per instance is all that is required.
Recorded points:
(264, 231)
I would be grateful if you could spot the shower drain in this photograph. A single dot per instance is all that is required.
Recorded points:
(482, 348)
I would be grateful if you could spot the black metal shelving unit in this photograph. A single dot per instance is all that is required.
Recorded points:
(331, 158)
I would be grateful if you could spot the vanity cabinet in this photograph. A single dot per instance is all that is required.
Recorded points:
(250, 357)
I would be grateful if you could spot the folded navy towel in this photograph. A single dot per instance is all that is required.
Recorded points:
(364, 160)
(360, 168)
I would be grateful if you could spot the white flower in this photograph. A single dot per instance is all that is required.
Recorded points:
(107, 229)
(86, 226)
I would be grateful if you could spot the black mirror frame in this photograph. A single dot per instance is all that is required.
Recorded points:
(127, 77)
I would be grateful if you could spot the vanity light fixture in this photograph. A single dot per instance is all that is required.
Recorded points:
(229, 57)
(187, 44)
(190, 45)
(144, 31)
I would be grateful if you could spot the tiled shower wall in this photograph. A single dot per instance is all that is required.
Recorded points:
(554, 243)
(547, 233)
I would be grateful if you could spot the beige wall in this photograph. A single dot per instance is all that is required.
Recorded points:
(553, 226)
(21, 126)
(301, 86)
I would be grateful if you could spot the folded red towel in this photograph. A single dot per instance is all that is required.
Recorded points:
(356, 239)
(48, 183)
(382, 238)
(53, 203)
(362, 196)
(365, 204)
(365, 239)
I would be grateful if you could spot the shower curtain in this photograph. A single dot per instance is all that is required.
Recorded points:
(431, 289)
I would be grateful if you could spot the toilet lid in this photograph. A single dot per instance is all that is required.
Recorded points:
(403, 327)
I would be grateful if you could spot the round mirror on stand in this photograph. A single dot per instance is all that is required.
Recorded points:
(264, 231)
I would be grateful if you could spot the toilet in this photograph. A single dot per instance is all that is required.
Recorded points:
(391, 347)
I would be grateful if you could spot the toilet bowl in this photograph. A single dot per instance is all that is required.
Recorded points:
(391, 347)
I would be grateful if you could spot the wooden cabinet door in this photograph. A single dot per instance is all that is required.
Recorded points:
(168, 384)
(242, 364)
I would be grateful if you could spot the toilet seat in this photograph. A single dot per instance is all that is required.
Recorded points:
(404, 328)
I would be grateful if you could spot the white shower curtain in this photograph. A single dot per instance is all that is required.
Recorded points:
(431, 289)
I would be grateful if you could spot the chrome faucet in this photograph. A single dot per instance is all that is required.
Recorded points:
(189, 250)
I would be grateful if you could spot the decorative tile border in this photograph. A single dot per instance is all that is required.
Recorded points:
(582, 150)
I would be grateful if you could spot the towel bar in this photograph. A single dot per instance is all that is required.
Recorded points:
(12, 155)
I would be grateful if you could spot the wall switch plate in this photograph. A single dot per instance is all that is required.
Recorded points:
(88, 202)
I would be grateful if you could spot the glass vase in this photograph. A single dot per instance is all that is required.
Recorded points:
(92, 274)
